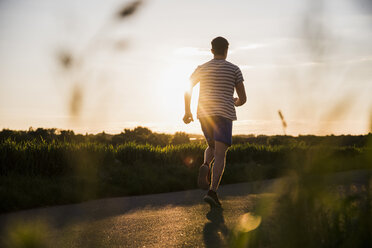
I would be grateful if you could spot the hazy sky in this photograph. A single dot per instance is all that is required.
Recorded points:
(310, 59)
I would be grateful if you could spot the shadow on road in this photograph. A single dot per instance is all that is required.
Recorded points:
(215, 231)
(64, 216)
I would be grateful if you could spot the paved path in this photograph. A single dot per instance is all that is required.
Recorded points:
(178, 219)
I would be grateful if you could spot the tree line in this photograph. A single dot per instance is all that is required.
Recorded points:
(143, 135)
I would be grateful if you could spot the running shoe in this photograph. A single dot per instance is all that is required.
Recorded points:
(212, 199)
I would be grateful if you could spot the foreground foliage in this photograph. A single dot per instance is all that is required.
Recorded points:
(39, 172)
(308, 210)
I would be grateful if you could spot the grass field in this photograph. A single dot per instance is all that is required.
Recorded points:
(307, 209)
(45, 172)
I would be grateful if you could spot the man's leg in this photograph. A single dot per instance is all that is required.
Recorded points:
(222, 132)
(219, 164)
(208, 156)
(208, 159)
(204, 170)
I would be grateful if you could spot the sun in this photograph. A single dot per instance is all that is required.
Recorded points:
(173, 85)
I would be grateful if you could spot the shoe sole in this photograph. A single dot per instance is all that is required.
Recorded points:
(211, 202)
(202, 179)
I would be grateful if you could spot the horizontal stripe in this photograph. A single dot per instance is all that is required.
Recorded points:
(218, 74)
(219, 79)
(217, 69)
(217, 107)
(217, 83)
(216, 100)
(217, 91)
(228, 116)
(216, 86)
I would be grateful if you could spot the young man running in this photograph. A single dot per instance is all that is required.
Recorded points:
(216, 110)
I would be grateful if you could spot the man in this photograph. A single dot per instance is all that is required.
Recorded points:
(216, 110)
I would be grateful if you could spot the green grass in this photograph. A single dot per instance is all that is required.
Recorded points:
(307, 209)
(315, 207)
(38, 173)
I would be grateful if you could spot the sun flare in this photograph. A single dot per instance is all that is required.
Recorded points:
(174, 83)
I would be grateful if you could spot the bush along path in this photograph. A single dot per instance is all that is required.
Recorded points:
(38, 173)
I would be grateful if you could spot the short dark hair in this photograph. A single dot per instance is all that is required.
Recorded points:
(219, 45)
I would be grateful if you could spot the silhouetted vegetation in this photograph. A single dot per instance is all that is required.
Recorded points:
(138, 135)
(143, 135)
(308, 140)
(47, 166)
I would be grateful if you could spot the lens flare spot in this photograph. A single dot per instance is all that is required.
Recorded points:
(188, 161)
(248, 222)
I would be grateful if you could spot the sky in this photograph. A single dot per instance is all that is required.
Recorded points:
(309, 59)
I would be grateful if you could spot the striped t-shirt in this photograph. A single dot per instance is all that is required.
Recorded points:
(217, 78)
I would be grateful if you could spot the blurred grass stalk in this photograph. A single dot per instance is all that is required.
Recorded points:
(75, 65)
(310, 210)
(33, 234)
(27, 234)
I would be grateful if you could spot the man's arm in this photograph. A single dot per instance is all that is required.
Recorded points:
(242, 98)
(188, 116)
(194, 79)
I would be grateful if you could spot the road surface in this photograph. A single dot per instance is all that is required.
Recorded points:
(177, 219)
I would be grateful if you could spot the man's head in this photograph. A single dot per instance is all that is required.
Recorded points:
(220, 46)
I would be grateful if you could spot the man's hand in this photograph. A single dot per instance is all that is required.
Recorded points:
(237, 102)
(242, 98)
(187, 118)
